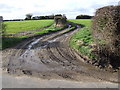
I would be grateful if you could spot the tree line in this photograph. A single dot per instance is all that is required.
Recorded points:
(84, 17)
(31, 17)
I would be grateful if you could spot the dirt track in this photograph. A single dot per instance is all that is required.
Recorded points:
(49, 57)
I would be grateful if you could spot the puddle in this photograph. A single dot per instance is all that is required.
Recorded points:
(51, 41)
(37, 44)
(33, 43)
(69, 26)
(41, 47)
(29, 51)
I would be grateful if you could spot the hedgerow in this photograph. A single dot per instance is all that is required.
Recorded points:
(106, 32)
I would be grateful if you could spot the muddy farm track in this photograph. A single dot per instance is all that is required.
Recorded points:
(49, 57)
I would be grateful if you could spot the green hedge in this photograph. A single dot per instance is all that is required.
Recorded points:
(106, 32)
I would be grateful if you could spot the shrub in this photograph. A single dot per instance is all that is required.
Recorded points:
(106, 32)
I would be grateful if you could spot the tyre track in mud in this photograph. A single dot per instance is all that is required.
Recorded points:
(52, 57)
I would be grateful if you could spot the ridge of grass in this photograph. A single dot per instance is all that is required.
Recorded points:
(82, 40)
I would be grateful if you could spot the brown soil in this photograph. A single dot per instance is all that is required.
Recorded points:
(49, 57)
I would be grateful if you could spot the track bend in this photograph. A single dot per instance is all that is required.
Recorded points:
(49, 57)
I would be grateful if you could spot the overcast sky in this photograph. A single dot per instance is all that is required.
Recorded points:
(14, 9)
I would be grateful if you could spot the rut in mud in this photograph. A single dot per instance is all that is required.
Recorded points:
(50, 56)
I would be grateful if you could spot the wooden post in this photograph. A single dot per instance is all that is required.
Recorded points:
(1, 20)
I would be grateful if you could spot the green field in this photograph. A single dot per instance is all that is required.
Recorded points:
(13, 27)
(85, 22)
(21, 26)
(82, 40)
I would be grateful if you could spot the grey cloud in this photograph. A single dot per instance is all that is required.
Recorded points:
(73, 11)
(37, 6)
(5, 11)
(96, 6)
(4, 6)
(7, 8)
(49, 12)
(113, 3)
(79, 10)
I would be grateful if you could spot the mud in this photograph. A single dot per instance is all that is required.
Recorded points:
(49, 57)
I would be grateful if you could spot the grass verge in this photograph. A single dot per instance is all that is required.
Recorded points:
(83, 40)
